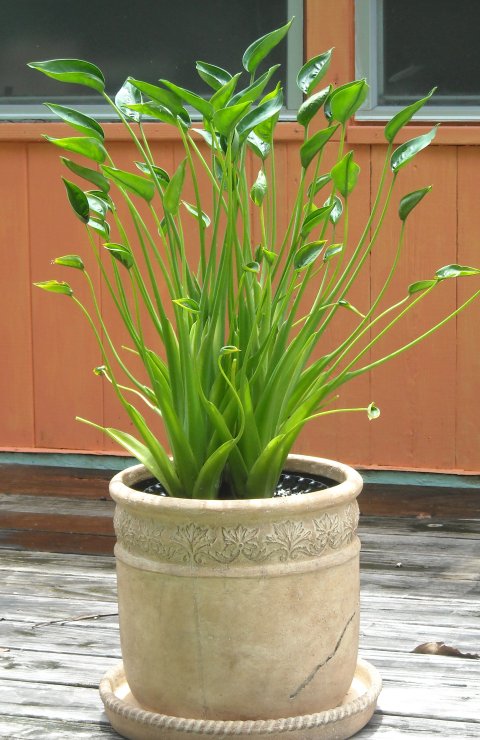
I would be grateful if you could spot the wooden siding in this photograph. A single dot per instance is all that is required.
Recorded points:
(428, 398)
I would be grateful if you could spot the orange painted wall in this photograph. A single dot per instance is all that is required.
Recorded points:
(428, 398)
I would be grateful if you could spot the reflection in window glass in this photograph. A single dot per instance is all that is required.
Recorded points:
(148, 39)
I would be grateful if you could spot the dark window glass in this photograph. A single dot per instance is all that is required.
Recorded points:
(148, 39)
(430, 43)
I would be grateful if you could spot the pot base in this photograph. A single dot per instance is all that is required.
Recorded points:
(132, 722)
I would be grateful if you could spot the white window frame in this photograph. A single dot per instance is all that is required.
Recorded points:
(368, 46)
(19, 111)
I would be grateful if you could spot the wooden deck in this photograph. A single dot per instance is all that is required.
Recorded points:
(59, 633)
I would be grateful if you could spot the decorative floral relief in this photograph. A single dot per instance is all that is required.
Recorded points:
(280, 542)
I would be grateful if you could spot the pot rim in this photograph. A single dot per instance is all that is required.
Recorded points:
(349, 485)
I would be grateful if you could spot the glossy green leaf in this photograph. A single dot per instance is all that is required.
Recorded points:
(87, 147)
(373, 412)
(260, 48)
(258, 146)
(313, 72)
(421, 285)
(408, 202)
(208, 480)
(455, 271)
(267, 110)
(70, 260)
(319, 183)
(77, 120)
(173, 191)
(128, 95)
(100, 226)
(224, 94)
(164, 97)
(133, 183)
(315, 144)
(121, 253)
(189, 304)
(198, 103)
(404, 116)
(312, 105)
(259, 189)
(331, 251)
(337, 210)
(54, 286)
(307, 254)
(407, 151)
(315, 217)
(197, 214)
(252, 267)
(346, 304)
(206, 135)
(75, 71)
(161, 174)
(345, 174)
(215, 77)
(253, 91)
(228, 349)
(347, 99)
(86, 173)
(154, 110)
(78, 200)
(226, 119)
(97, 205)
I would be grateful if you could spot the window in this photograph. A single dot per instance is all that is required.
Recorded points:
(406, 48)
(148, 39)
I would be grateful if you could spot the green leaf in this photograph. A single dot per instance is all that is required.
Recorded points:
(77, 120)
(253, 91)
(258, 146)
(128, 95)
(312, 105)
(259, 189)
(313, 72)
(347, 99)
(162, 175)
(53, 286)
(307, 254)
(198, 103)
(331, 251)
(88, 147)
(173, 191)
(215, 77)
(121, 253)
(455, 271)
(408, 202)
(252, 267)
(260, 48)
(314, 218)
(224, 94)
(319, 183)
(346, 304)
(337, 209)
(72, 70)
(70, 260)
(373, 412)
(266, 111)
(228, 349)
(407, 151)
(226, 119)
(78, 200)
(153, 110)
(97, 205)
(421, 285)
(189, 304)
(345, 174)
(208, 480)
(133, 183)
(166, 98)
(92, 176)
(404, 116)
(315, 144)
(99, 225)
(197, 214)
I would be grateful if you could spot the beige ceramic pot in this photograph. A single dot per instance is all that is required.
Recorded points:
(239, 610)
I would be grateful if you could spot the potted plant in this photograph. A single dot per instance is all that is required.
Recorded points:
(238, 602)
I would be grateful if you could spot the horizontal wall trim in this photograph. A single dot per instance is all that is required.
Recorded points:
(120, 462)
(447, 134)
(27, 131)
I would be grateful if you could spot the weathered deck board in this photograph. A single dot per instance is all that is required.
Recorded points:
(51, 662)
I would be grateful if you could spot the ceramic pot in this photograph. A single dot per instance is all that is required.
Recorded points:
(239, 610)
